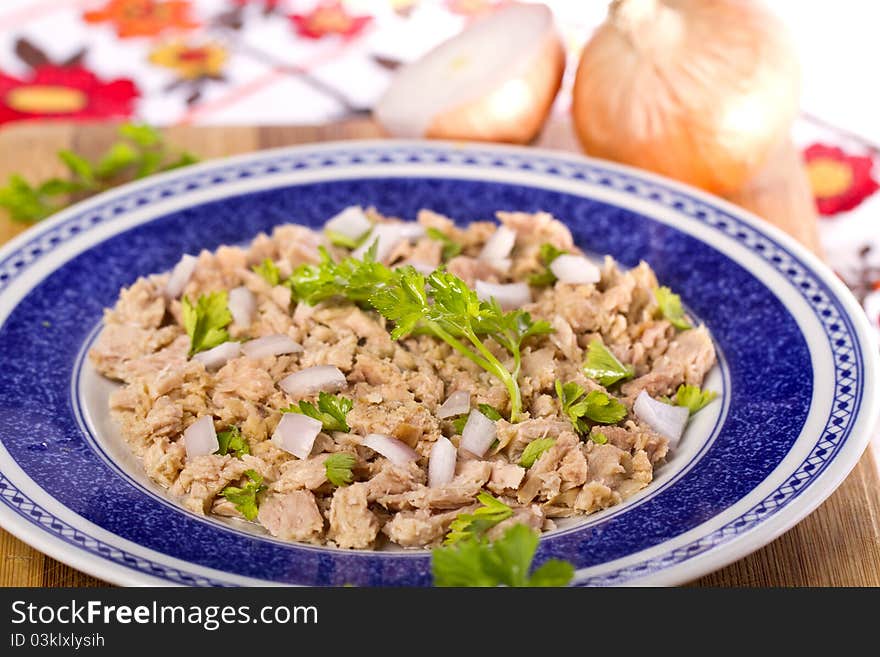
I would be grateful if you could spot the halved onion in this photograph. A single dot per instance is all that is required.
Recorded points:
(575, 269)
(351, 223)
(392, 449)
(296, 434)
(180, 276)
(312, 380)
(200, 438)
(508, 295)
(495, 81)
(215, 358)
(478, 434)
(458, 403)
(441, 463)
(270, 345)
(242, 305)
(667, 420)
(499, 245)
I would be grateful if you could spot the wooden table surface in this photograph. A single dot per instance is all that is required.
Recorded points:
(838, 544)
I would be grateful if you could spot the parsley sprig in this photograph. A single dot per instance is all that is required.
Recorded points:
(338, 468)
(330, 411)
(603, 366)
(440, 304)
(269, 271)
(691, 397)
(671, 308)
(206, 321)
(474, 525)
(534, 450)
(580, 406)
(139, 152)
(231, 440)
(245, 497)
(504, 562)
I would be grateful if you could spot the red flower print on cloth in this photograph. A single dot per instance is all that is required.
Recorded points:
(66, 90)
(139, 18)
(328, 19)
(840, 182)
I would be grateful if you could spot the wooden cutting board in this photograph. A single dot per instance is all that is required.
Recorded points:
(838, 544)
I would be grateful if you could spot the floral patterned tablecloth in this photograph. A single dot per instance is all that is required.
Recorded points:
(287, 61)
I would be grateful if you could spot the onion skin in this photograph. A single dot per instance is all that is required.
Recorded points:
(697, 90)
(515, 111)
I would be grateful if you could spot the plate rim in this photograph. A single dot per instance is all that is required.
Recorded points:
(836, 471)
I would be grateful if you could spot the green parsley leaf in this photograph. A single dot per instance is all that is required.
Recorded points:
(474, 525)
(269, 271)
(338, 467)
(691, 397)
(231, 440)
(553, 572)
(504, 562)
(143, 135)
(548, 254)
(670, 307)
(579, 406)
(598, 437)
(79, 166)
(24, 203)
(245, 497)
(353, 279)
(120, 156)
(451, 248)
(489, 411)
(148, 163)
(459, 422)
(602, 365)
(330, 412)
(534, 450)
(206, 321)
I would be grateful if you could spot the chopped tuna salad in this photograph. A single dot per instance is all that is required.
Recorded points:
(412, 383)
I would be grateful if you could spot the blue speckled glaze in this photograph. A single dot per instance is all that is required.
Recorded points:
(770, 367)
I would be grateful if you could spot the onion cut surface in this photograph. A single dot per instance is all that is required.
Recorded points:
(441, 462)
(313, 380)
(495, 81)
(667, 420)
(200, 438)
(296, 434)
(392, 449)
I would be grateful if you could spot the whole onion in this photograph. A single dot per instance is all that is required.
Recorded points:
(699, 91)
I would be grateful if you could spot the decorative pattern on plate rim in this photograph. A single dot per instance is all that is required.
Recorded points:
(848, 358)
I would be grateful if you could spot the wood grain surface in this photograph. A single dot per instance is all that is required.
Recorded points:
(837, 545)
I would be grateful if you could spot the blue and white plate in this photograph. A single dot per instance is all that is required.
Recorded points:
(797, 372)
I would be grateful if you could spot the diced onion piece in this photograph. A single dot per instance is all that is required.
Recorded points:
(574, 269)
(200, 438)
(313, 380)
(242, 305)
(215, 358)
(667, 420)
(296, 434)
(392, 449)
(180, 276)
(441, 463)
(385, 236)
(508, 295)
(412, 231)
(501, 264)
(351, 222)
(478, 434)
(499, 245)
(270, 345)
(458, 403)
